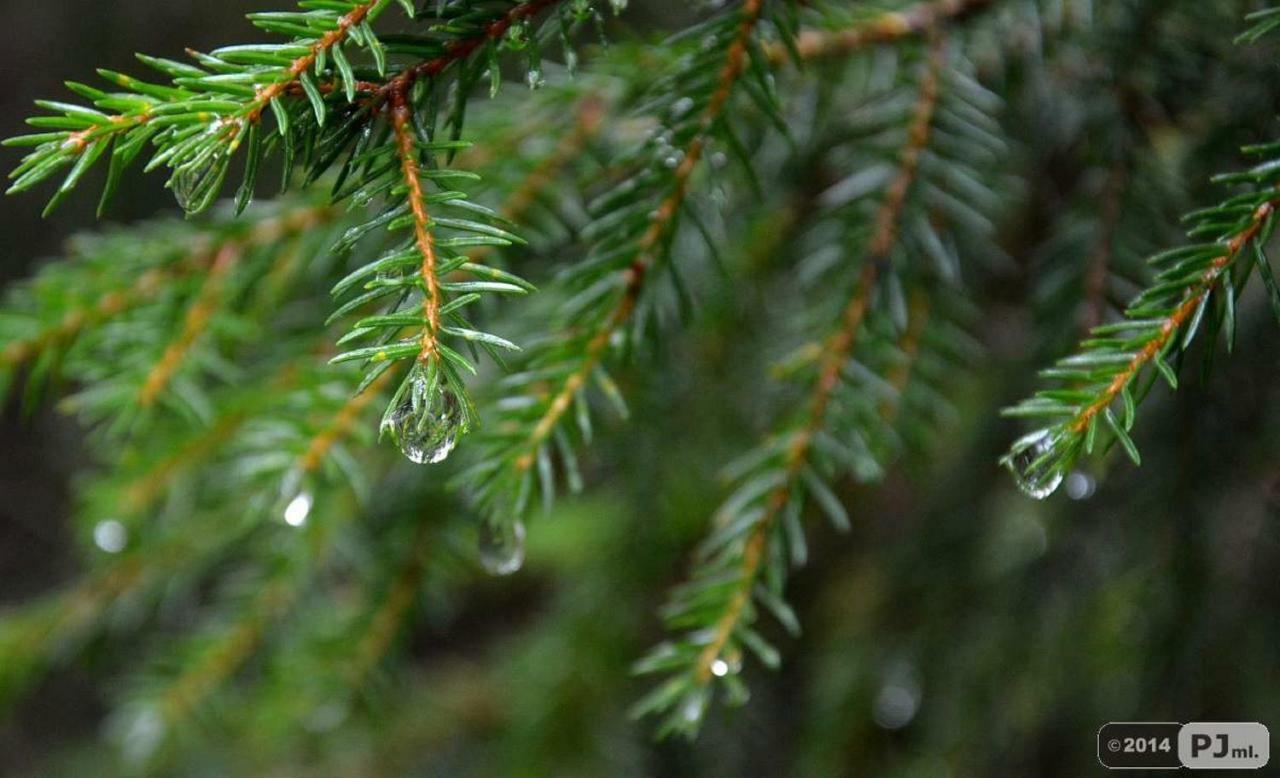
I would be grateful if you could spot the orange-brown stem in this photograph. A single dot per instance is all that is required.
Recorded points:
(152, 281)
(197, 321)
(463, 48)
(342, 423)
(302, 64)
(402, 125)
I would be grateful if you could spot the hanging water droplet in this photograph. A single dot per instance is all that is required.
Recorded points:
(197, 179)
(899, 697)
(196, 184)
(719, 159)
(1081, 486)
(111, 536)
(1037, 476)
(501, 547)
(426, 428)
(726, 664)
(681, 107)
(296, 512)
(141, 733)
(694, 706)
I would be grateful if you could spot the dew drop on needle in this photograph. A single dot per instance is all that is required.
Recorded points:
(426, 428)
(501, 546)
(1036, 471)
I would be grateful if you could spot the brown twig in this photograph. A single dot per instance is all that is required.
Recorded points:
(918, 20)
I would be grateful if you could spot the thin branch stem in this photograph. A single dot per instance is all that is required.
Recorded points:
(147, 285)
(918, 20)
(401, 123)
(342, 424)
(197, 321)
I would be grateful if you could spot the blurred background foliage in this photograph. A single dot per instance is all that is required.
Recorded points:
(958, 629)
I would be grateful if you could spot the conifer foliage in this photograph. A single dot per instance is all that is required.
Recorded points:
(493, 222)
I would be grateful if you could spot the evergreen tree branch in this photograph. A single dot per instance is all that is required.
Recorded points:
(148, 283)
(198, 316)
(1161, 322)
(564, 367)
(717, 606)
(836, 353)
(425, 242)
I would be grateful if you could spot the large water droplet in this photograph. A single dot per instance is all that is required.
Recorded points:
(727, 664)
(297, 510)
(1036, 474)
(501, 547)
(111, 536)
(196, 185)
(426, 426)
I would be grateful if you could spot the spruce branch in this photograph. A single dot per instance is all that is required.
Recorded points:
(1096, 391)
(560, 372)
(1159, 325)
(717, 605)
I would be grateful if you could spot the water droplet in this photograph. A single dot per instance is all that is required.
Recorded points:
(897, 703)
(501, 547)
(111, 536)
(426, 428)
(681, 107)
(1080, 486)
(720, 668)
(1036, 474)
(142, 733)
(694, 706)
(296, 512)
(719, 159)
(534, 78)
(195, 185)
